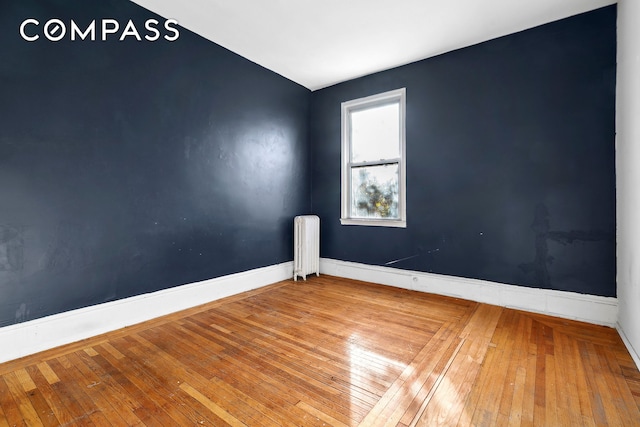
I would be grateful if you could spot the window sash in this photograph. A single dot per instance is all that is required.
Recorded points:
(363, 136)
(375, 163)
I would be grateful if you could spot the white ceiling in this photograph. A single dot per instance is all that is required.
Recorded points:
(323, 42)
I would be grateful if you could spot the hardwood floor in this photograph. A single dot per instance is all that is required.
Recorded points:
(331, 351)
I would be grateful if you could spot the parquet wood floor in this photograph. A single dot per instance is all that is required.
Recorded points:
(331, 351)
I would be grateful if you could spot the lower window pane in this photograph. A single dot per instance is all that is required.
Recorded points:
(374, 191)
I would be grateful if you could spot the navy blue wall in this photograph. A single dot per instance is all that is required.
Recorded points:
(510, 170)
(129, 167)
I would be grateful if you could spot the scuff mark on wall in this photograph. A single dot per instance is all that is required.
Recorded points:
(541, 228)
(22, 313)
(11, 248)
(410, 257)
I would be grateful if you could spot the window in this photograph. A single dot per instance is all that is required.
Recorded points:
(373, 160)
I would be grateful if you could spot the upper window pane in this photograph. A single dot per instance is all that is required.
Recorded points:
(375, 133)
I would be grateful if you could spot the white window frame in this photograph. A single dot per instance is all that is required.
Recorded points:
(398, 95)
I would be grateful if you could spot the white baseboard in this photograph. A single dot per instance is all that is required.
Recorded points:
(30, 337)
(569, 305)
(632, 351)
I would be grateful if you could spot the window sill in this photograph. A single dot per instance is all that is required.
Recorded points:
(374, 222)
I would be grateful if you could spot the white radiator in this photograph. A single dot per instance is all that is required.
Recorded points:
(306, 246)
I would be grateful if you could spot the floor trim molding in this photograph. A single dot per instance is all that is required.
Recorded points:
(41, 334)
(632, 351)
(37, 335)
(569, 305)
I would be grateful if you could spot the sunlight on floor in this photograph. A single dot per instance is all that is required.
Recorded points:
(365, 363)
(438, 402)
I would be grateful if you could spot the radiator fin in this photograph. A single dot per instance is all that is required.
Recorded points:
(306, 246)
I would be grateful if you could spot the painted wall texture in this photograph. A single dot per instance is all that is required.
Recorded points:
(510, 169)
(129, 167)
(628, 173)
